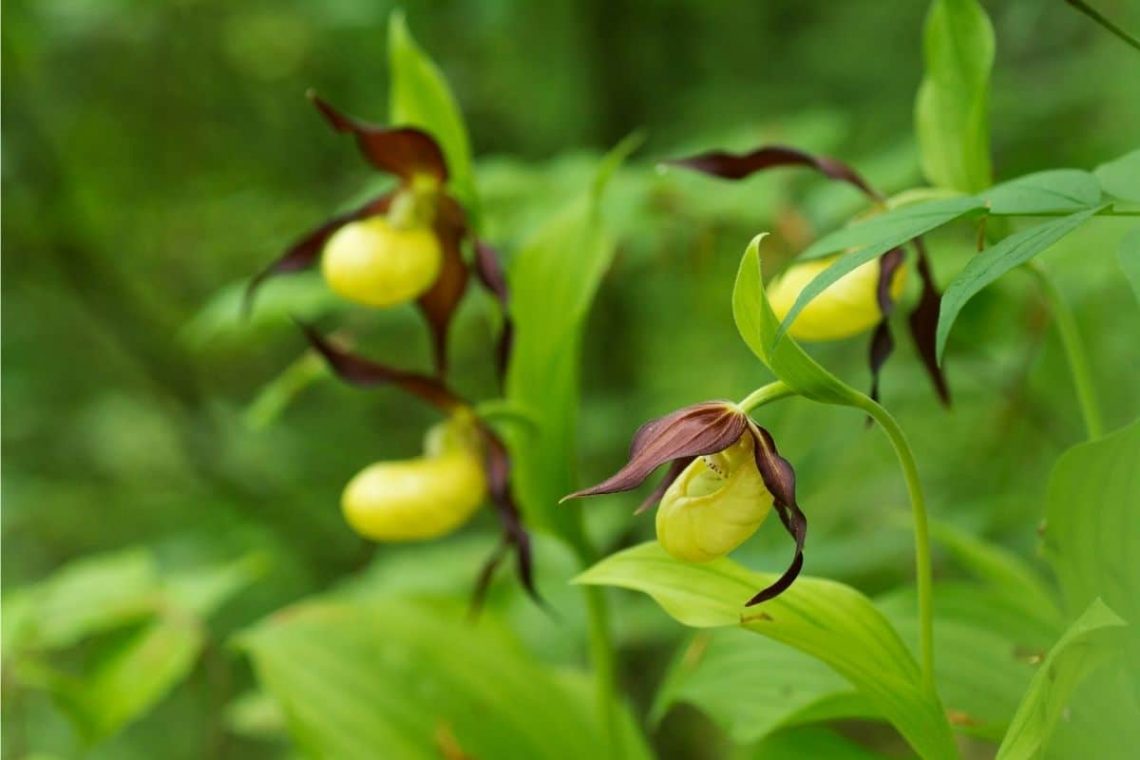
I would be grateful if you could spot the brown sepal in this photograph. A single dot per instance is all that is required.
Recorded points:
(356, 370)
(403, 151)
(734, 166)
(439, 303)
(882, 342)
(489, 270)
(305, 252)
(690, 432)
(923, 321)
(497, 463)
(780, 480)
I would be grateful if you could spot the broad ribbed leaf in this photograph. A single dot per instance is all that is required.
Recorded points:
(951, 117)
(553, 279)
(993, 262)
(1092, 538)
(826, 620)
(757, 325)
(1121, 178)
(399, 679)
(421, 98)
(1088, 643)
(752, 686)
(1129, 257)
(1054, 191)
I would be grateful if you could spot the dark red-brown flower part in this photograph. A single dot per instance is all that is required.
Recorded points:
(416, 159)
(712, 428)
(366, 373)
(923, 320)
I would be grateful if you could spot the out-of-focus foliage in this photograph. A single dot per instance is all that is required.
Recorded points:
(155, 154)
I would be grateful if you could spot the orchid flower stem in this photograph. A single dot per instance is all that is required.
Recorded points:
(602, 660)
(924, 572)
(1074, 353)
(764, 395)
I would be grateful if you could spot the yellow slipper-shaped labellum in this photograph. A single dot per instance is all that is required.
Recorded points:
(419, 498)
(846, 308)
(377, 264)
(714, 506)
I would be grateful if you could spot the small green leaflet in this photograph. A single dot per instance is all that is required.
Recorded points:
(992, 263)
(1121, 178)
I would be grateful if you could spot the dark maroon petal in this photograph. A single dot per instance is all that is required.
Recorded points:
(693, 431)
(923, 323)
(675, 469)
(305, 252)
(882, 342)
(497, 463)
(780, 480)
(366, 373)
(726, 165)
(439, 303)
(486, 575)
(489, 270)
(403, 151)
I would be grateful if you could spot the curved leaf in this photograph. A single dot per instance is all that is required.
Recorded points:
(951, 110)
(1086, 645)
(1121, 178)
(420, 97)
(993, 262)
(1056, 190)
(826, 620)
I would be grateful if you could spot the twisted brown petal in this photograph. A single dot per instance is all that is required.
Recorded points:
(439, 303)
(690, 432)
(734, 166)
(882, 342)
(497, 463)
(403, 151)
(489, 270)
(780, 480)
(305, 252)
(366, 373)
(923, 321)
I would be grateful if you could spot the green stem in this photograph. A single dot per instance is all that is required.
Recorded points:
(602, 660)
(1096, 16)
(764, 395)
(1074, 353)
(924, 571)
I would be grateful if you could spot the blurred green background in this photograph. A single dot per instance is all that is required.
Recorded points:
(156, 154)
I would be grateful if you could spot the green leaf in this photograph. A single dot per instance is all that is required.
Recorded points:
(553, 280)
(876, 236)
(993, 262)
(136, 676)
(951, 117)
(1086, 645)
(800, 743)
(824, 619)
(1093, 508)
(276, 395)
(87, 596)
(758, 327)
(399, 679)
(421, 98)
(1128, 255)
(1121, 178)
(1054, 191)
(753, 686)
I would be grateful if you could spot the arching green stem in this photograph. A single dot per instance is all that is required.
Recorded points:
(924, 572)
(764, 395)
(1074, 353)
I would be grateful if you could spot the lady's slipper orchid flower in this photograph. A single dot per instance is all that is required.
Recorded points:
(724, 478)
(862, 299)
(403, 245)
(464, 463)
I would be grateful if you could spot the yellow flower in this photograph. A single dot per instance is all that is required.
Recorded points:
(420, 498)
(378, 264)
(846, 308)
(715, 505)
